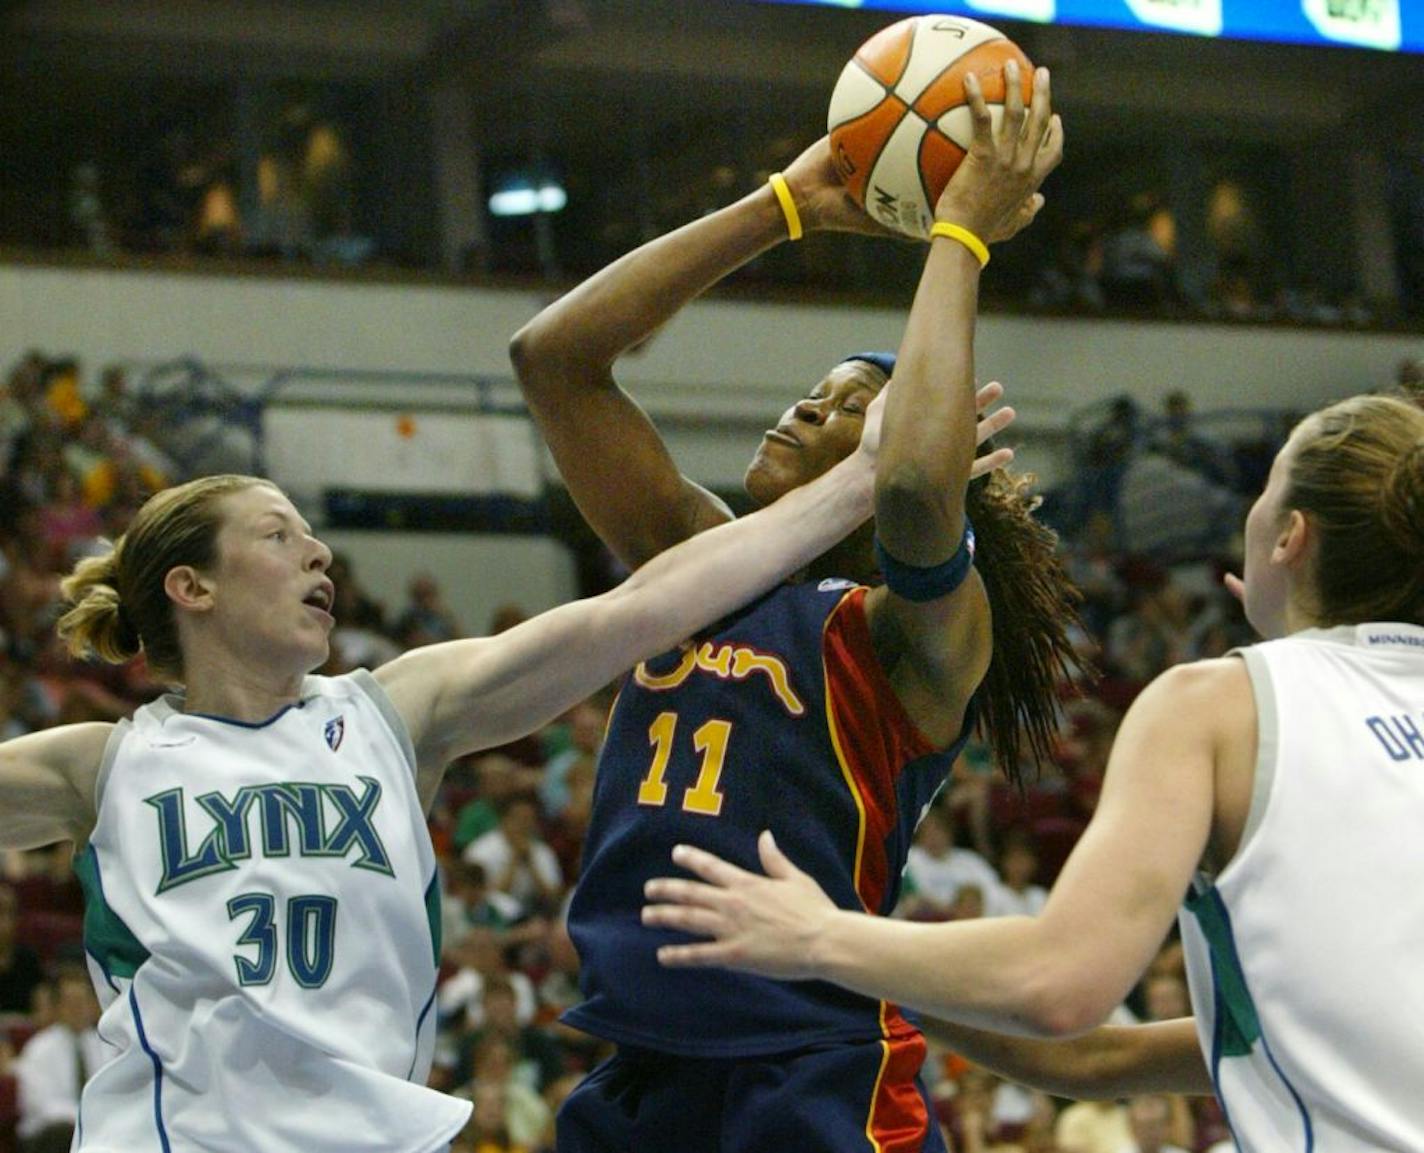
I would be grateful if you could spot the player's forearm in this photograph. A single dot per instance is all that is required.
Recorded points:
(927, 444)
(467, 695)
(1108, 1062)
(631, 298)
(719, 570)
(1000, 974)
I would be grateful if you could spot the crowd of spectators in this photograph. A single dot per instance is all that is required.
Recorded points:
(178, 191)
(77, 458)
(301, 197)
(1172, 484)
(1131, 261)
(509, 824)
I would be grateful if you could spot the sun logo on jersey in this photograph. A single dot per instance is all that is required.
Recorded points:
(334, 731)
(727, 662)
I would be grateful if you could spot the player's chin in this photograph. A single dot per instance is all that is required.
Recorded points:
(316, 654)
(767, 480)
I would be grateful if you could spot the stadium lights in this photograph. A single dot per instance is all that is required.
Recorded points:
(524, 197)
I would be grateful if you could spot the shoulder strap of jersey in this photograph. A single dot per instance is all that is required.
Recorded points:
(364, 682)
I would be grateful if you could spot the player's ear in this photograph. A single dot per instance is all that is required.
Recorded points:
(188, 589)
(1293, 539)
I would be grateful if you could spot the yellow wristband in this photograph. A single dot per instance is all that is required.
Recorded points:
(965, 237)
(788, 205)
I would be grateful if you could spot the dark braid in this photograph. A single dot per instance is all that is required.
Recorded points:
(1034, 607)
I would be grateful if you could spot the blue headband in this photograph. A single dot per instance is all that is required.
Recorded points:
(884, 361)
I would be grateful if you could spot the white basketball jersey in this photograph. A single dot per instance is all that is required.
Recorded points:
(261, 922)
(1306, 956)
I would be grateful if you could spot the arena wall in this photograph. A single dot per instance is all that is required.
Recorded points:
(713, 378)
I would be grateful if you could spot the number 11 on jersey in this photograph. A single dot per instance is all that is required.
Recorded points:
(710, 740)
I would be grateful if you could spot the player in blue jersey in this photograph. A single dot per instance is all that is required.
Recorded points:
(261, 907)
(830, 710)
(1280, 790)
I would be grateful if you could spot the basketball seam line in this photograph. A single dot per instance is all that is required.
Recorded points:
(886, 89)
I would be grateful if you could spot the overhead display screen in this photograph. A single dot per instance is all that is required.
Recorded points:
(1389, 25)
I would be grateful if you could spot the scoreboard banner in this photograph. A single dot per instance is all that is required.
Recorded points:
(1389, 25)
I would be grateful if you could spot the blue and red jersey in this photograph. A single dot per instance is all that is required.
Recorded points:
(779, 717)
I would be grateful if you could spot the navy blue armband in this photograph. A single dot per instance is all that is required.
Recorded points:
(927, 584)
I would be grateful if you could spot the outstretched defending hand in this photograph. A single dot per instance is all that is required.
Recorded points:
(991, 424)
(992, 421)
(994, 192)
(768, 925)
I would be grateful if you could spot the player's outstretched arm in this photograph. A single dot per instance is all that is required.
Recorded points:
(471, 694)
(1054, 975)
(1108, 1062)
(47, 785)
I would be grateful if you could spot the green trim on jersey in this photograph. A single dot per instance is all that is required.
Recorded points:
(1237, 1026)
(432, 914)
(106, 938)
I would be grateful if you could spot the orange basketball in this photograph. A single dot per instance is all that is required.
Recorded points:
(898, 119)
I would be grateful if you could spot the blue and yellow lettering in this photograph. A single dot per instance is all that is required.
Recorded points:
(301, 803)
(179, 865)
(356, 828)
(231, 817)
(278, 806)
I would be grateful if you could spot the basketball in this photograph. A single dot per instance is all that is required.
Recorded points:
(899, 121)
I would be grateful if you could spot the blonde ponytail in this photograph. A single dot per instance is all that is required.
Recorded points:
(118, 604)
(96, 624)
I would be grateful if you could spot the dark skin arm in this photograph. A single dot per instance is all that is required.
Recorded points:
(936, 652)
(635, 498)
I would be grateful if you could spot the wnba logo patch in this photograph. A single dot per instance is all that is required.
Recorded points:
(334, 731)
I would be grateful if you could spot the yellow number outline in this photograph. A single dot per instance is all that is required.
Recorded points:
(710, 739)
(653, 789)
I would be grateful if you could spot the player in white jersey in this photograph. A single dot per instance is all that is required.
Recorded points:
(1280, 789)
(262, 906)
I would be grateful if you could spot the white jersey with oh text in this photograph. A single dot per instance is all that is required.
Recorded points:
(262, 926)
(1305, 954)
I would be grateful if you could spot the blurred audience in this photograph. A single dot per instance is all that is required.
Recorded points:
(300, 184)
(55, 1063)
(1093, 1127)
(938, 871)
(20, 970)
(1149, 1117)
(426, 619)
(517, 860)
(1016, 894)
